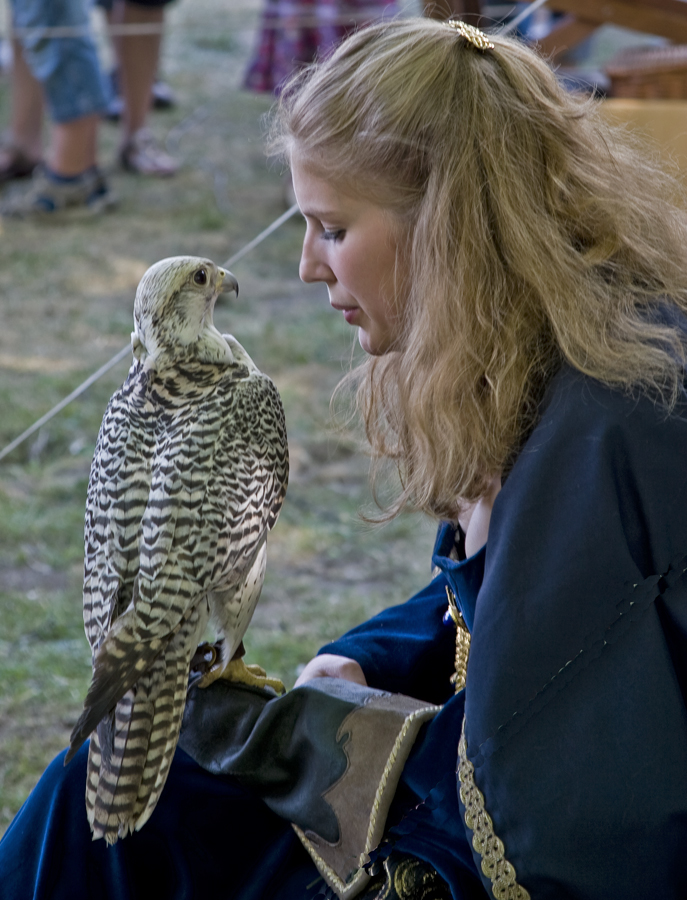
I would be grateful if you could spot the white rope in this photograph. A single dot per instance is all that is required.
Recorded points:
(261, 237)
(525, 14)
(61, 405)
(40, 32)
(290, 17)
(126, 350)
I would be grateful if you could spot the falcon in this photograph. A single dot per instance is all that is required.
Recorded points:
(188, 477)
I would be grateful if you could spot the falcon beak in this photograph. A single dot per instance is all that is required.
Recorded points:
(228, 284)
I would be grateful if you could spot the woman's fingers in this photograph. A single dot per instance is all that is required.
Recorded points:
(332, 666)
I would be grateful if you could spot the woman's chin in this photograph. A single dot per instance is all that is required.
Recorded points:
(371, 346)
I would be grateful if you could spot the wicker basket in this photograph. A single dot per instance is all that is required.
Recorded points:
(650, 73)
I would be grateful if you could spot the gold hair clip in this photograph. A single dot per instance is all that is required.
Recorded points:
(471, 34)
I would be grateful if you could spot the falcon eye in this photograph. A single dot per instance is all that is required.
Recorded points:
(201, 277)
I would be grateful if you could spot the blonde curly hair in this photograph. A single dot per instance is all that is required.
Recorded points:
(536, 234)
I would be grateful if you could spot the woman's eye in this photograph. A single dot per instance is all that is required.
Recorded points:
(201, 277)
(332, 235)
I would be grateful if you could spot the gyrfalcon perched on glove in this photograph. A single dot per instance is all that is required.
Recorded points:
(189, 474)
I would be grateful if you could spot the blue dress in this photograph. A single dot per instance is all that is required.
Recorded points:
(575, 713)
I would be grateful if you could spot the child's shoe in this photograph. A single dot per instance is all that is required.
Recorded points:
(50, 193)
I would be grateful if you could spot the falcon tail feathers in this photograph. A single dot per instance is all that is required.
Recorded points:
(165, 734)
(114, 673)
(119, 662)
(131, 751)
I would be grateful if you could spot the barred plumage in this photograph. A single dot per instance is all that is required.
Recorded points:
(188, 477)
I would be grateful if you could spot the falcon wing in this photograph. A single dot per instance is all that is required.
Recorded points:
(219, 474)
(118, 491)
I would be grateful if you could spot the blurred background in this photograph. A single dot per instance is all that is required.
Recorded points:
(66, 296)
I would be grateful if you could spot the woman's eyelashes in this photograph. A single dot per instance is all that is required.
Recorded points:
(332, 235)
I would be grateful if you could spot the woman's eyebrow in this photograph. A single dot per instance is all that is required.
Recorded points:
(321, 213)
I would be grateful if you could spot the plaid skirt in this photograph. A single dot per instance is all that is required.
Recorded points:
(294, 32)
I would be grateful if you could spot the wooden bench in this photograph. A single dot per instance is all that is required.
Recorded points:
(667, 18)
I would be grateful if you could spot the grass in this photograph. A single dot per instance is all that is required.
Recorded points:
(67, 291)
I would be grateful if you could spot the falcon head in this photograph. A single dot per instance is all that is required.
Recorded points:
(173, 311)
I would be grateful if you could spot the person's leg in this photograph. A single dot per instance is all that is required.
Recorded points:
(68, 73)
(67, 68)
(73, 146)
(207, 833)
(21, 146)
(138, 57)
(138, 61)
(26, 123)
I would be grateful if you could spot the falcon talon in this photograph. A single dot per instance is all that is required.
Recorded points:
(238, 672)
(256, 670)
(204, 658)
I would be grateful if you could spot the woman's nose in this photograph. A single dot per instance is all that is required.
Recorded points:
(311, 267)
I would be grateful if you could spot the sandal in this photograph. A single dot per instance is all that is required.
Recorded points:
(14, 163)
(143, 154)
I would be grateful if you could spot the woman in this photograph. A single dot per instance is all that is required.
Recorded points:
(532, 259)
(517, 273)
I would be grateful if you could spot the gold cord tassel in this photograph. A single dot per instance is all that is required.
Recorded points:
(462, 642)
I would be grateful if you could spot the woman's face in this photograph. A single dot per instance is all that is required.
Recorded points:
(351, 246)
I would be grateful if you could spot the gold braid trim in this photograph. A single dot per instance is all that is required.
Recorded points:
(324, 868)
(370, 841)
(495, 866)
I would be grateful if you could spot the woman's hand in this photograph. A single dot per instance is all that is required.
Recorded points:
(475, 519)
(331, 666)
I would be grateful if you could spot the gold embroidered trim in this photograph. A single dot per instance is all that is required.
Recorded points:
(462, 642)
(471, 34)
(495, 866)
(371, 841)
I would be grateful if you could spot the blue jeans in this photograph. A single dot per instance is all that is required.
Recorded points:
(67, 67)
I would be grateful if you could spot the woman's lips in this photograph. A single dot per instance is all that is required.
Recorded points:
(350, 313)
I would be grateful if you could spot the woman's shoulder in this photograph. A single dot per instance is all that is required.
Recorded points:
(575, 397)
(579, 409)
(601, 457)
